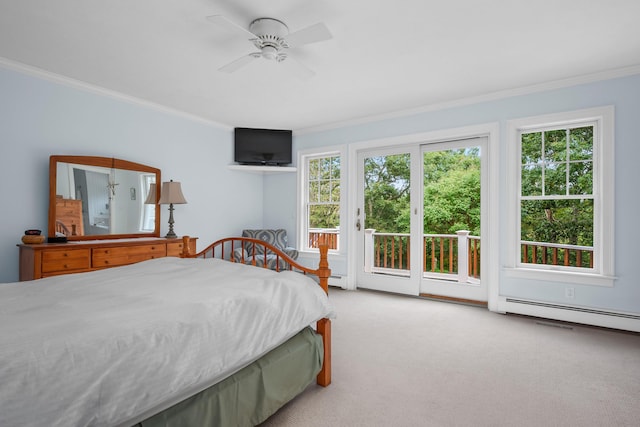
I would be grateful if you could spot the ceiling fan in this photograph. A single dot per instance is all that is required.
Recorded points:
(272, 39)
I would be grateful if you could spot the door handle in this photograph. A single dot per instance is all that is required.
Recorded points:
(358, 224)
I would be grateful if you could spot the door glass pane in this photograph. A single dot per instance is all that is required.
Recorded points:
(451, 241)
(387, 209)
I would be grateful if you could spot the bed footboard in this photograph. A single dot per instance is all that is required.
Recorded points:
(228, 249)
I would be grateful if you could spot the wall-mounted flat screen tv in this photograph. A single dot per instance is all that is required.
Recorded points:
(262, 146)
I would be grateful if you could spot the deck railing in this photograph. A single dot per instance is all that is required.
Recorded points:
(444, 256)
(328, 236)
(447, 256)
(555, 254)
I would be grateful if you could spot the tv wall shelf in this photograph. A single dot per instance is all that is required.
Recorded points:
(263, 169)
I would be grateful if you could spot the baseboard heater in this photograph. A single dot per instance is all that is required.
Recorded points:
(572, 308)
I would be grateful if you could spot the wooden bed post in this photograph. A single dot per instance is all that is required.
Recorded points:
(185, 247)
(323, 268)
(323, 327)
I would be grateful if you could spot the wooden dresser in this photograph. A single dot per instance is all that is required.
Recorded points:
(52, 259)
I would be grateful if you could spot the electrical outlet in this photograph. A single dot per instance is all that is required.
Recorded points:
(569, 292)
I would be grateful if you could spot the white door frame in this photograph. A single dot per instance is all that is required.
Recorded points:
(490, 251)
(447, 288)
(409, 285)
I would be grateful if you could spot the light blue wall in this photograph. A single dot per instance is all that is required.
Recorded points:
(39, 118)
(623, 93)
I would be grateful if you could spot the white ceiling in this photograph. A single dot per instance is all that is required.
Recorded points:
(385, 55)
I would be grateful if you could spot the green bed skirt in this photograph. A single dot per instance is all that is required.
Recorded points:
(251, 395)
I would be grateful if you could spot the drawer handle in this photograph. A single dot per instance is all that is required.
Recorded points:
(66, 266)
(65, 254)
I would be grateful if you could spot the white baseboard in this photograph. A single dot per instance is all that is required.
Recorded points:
(574, 314)
(338, 281)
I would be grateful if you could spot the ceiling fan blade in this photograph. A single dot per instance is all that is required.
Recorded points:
(231, 26)
(315, 33)
(239, 63)
(299, 69)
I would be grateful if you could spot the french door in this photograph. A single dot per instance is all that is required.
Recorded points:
(387, 216)
(419, 219)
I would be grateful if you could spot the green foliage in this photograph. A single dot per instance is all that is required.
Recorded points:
(451, 192)
(387, 198)
(324, 192)
(557, 165)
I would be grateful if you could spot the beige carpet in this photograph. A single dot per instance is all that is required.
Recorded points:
(401, 361)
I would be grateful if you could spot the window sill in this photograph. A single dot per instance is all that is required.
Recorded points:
(560, 276)
(314, 253)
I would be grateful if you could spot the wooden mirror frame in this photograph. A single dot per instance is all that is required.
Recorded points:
(105, 162)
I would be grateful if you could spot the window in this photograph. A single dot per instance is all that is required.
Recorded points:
(320, 219)
(561, 205)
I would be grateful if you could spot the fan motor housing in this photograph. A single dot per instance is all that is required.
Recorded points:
(269, 27)
(271, 33)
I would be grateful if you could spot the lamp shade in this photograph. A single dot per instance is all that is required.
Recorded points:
(151, 197)
(171, 194)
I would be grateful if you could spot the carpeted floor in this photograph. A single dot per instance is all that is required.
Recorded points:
(402, 361)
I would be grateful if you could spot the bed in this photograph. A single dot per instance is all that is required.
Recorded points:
(196, 340)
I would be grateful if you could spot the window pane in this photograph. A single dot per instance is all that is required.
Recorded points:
(568, 222)
(314, 169)
(531, 148)
(555, 145)
(325, 191)
(324, 216)
(313, 191)
(335, 191)
(335, 167)
(581, 143)
(531, 180)
(555, 179)
(581, 178)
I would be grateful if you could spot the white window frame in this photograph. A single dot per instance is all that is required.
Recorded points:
(303, 180)
(603, 194)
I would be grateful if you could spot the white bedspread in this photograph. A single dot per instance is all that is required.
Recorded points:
(111, 347)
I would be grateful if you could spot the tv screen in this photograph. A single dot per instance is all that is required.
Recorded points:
(262, 146)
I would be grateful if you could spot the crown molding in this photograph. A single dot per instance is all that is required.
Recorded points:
(98, 90)
(493, 96)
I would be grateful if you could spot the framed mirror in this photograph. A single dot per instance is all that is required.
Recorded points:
(102, 198)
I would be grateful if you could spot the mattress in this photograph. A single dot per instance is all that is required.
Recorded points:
(115, 346)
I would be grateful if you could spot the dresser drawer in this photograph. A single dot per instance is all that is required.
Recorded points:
(110, 257)
(174, 248)
(55, 261)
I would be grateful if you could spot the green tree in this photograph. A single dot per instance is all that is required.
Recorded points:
(452, 191)
(387, 198)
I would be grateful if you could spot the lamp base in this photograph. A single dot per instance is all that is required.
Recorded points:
(171, 234)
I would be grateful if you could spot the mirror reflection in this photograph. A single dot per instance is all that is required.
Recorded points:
(96, 201)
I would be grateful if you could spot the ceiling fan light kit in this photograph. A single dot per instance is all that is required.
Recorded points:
(271, 36)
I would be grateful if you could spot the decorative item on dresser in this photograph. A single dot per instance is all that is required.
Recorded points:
(51, 259)
(171, 194)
